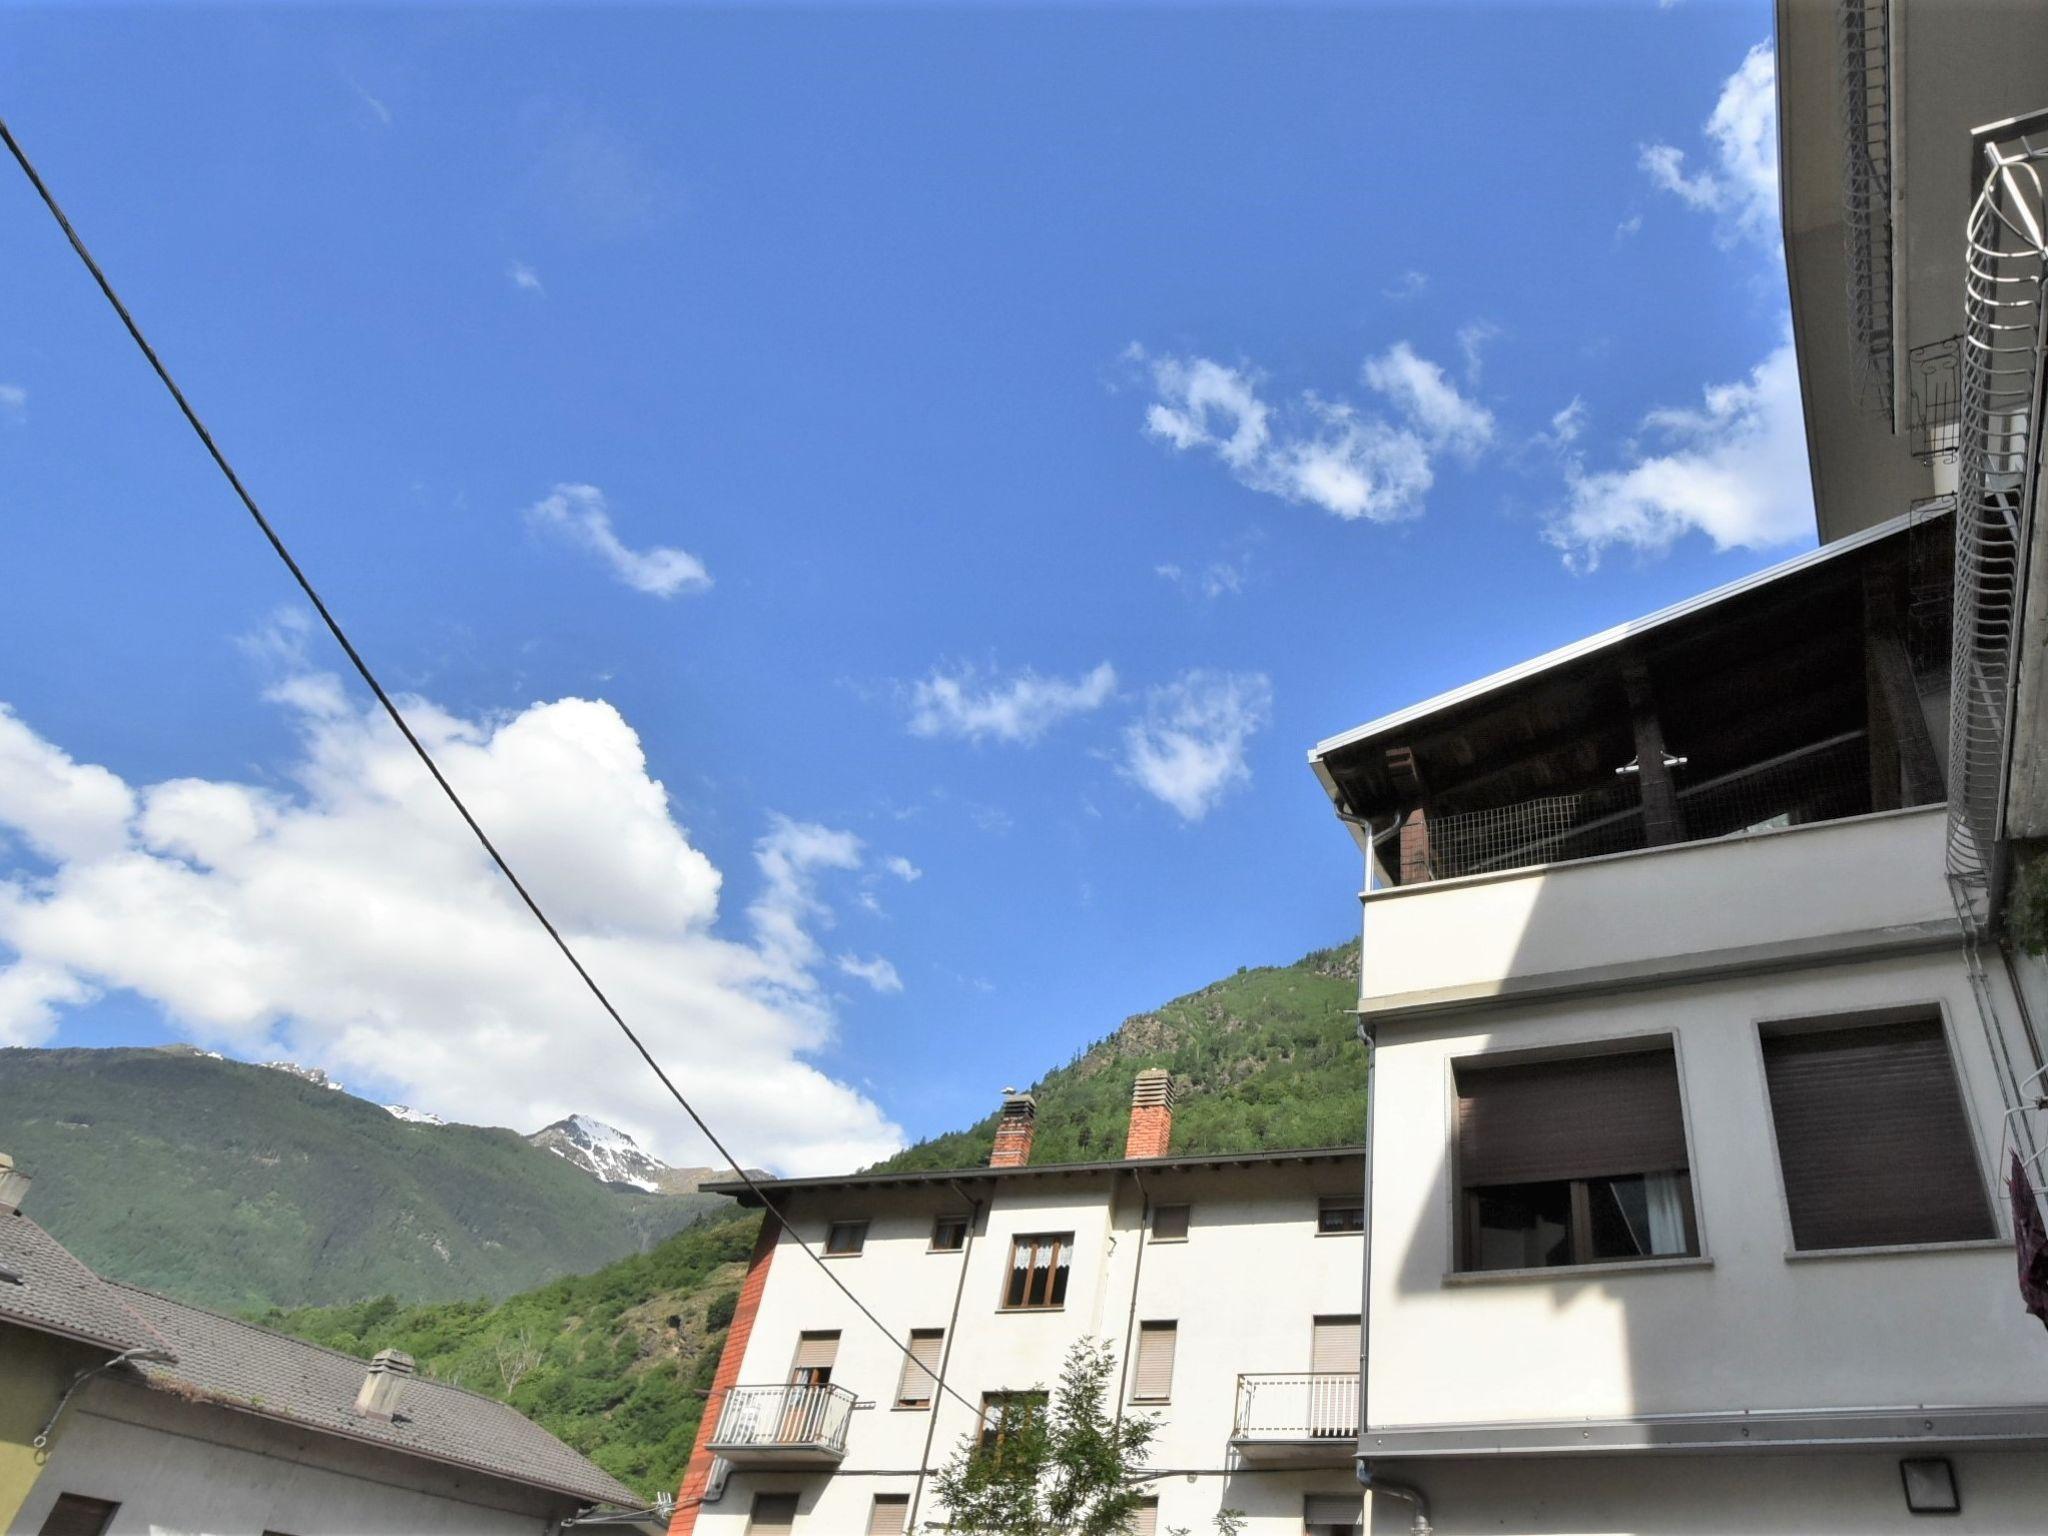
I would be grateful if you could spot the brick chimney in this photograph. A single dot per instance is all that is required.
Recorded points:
(13, 1186)
(383, 1384)
(1014, 1130)
(1151, 1114)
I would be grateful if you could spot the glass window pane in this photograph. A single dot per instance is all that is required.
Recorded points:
(1521, 1226)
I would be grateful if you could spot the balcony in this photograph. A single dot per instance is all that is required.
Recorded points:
(783, 1426)
(1302, 1418)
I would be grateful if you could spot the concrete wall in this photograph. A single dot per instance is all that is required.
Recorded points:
(191, 1469)
(1848, 1494)
(1862, 875)
(1748, 1325)
(34, 1368)
(1244, 1289)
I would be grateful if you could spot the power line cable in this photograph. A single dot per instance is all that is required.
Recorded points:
(398, 719)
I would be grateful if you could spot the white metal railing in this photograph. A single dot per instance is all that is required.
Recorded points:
(763, 1418)
(1317, 1406)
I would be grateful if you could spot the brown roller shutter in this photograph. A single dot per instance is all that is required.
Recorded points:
(1872, 1137)
(816, 1352)
(76, 1515)
(887, 1515)
(1146, 1521)
(1584, 1117)
(774, 1514)
(1336, 1347)
(1152, 1380)
(921, 1368)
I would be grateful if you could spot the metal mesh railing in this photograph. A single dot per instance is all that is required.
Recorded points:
(1934, 399)
(1867, 192)
(1823, 781)
(1322, 1405)
(1996, 486)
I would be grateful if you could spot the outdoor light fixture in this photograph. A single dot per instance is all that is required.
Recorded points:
(1930, 1486)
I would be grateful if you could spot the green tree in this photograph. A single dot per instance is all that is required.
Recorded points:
(1068, 1467)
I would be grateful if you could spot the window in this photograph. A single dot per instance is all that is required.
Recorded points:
(1572, 1161)
(1003, 1414)
(816, 1354)
(1169, 1223)
(888, 1513)
(1152, 1377)
(843, 1238)
(75, 1515)
(1333, 1514)
(1146, 1521)
(774, 1514)
(920, 1368)
(1038, 1271)
(1334, 1346)
(1341, 1213)
(949, 1234)
(1872, 1138)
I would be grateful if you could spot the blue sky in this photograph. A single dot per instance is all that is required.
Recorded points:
(963, 457)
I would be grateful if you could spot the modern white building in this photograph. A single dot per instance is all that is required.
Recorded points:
(1700, 1061)
(1227, 1286)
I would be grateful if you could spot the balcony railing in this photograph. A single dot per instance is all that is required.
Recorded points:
(1322, 1405)
(788, 1424)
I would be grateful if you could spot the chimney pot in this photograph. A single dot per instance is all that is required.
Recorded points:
(383, 1384)
(1151, 1133)
(13, 1186)
(1014, 1130)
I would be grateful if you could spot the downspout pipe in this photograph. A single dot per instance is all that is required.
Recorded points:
(1137, 1273)
(1388, 1488)
(160, 1356)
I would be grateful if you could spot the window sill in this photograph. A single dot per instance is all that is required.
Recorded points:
(1354, 1232)
(1151, 1402)
(910, 1407)
(854, 1255)
(943, 1251)
(1895, 1250)
(1032, 1311)
(1571, 1272)
(1155, 1242)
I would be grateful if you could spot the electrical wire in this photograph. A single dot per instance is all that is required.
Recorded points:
(398, 719)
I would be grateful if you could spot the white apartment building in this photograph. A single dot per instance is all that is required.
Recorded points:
(1699, 1059)
(1228, 1287)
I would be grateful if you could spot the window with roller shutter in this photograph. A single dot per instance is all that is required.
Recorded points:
(1152, 1372)
(1334, 1514)
(887, 1515)
(1145, 1522)
(76, 1515)
(1169, 1223)
(1873, 1142)
(1572, 1160)
(816, 1354)
(921, 1368)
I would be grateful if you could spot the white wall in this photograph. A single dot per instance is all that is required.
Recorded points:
(1697, 899)
(1753, 1329)
(189, 1469)
(1244, 1289)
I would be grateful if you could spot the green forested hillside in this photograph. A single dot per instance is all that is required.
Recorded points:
(237, 1186)
(1266, 1058)
(616, 1363)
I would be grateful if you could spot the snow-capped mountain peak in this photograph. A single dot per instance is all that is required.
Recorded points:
(313, 1075)
(412, 1116)
(603, 1151)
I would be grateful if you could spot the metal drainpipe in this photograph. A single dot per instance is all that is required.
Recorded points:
(160, 1356)
(1368, 1036)
(931, 1428)
(1137, 1270)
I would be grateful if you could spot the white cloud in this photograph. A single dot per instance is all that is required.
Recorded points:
(13, 401)
(1019, 708)
(902, 868)
(347, 919)
(1409, 285)
(1445, 418)
(1219, 578)
(876, 972)
(1322, 453)
(1741, 189)
(1734, 468)
(524, 278)
(1188, 747)
(578, 513)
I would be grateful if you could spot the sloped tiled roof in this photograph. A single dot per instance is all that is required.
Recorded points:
(278, 1377)
(51, 1292)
